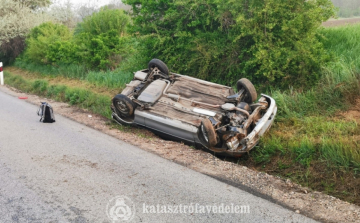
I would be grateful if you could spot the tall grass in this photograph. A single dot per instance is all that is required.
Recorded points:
(343, 43)
(339, 81)
(110, 79)
(69, 70)
(116, 79)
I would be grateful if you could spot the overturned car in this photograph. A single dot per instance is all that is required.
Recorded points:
(195, 111)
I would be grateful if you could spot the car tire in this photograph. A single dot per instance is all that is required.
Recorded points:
(250, 92)
(207, 133)
(124, 108)
(160, 65)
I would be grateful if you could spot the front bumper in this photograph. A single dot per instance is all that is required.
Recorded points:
(262, 126)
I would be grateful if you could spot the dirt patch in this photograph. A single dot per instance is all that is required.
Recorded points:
(341, 22)
(353, 113)
(301, 199)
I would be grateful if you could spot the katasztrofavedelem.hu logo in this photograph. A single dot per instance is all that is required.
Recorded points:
(120, 209)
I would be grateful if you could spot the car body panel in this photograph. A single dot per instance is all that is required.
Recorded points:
(173, 127)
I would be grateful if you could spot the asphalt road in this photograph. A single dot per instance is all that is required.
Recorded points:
(67, 172)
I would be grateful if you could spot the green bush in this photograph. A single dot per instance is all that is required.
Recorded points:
(100, 42)
(102, 39)
(219, 40)
(283, 33)
(65, 52)
(104, 51)
(104, 21)
(41, 38)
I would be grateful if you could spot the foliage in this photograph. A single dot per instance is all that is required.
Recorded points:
(65, 70)
(64, 13)
(42, 40)
(284, 38)
(310, 134)
(17, 18)
(104, 21)
(33, 4)
(102, 38)
(217, 40)
(62, 51)
(102, 51)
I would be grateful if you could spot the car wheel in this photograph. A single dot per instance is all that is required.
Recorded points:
(160, 65)
(207, 133)
(250, 92)
(124, 108)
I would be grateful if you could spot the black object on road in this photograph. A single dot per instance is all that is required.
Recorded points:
(46, 112)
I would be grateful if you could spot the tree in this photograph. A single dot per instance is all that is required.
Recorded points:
(17, 18)
(63, 13)
(117, 4)
(86, 10)
(33, 4)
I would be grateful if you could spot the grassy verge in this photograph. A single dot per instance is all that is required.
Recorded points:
(110, 79)
(310, 142)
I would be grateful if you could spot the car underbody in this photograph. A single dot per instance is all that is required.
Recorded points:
(195, 111)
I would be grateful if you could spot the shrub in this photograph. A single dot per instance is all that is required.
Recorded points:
(104, 21)
(220, 41)
(62, 52)
(102, 38)
(104, 51)
(41, 38)
(284, 33)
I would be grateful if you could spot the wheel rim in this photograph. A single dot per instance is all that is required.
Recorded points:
(122, 108)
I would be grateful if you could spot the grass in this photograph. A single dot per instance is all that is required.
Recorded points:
(339, 82)
(309, 142)
(70, 71)
(111, 79)
(304, 127)
(317, 138)
(116, 79)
